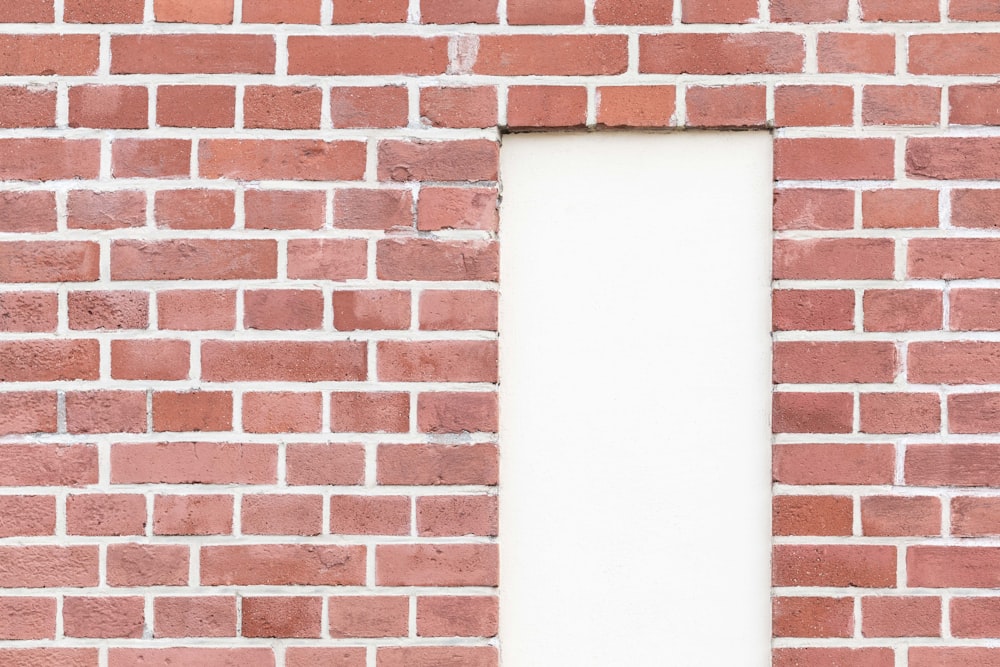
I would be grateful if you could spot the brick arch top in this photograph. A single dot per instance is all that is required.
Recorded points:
(248, 267)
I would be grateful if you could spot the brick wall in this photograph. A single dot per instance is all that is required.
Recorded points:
(248, 313)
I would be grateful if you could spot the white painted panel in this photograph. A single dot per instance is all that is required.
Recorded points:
(635, 400)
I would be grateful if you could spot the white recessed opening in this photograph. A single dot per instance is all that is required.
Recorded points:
(635, 399)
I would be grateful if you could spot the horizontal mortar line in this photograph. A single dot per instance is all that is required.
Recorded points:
(877, 283)
(188, 285)
(887, 387)
(250, 385)
(242, 540)
(151, 233)
(874, 540)
(255, 589)
(900, 234)
(249, 488)
(876, 439)
(250, 439)
(249, 642)
(817, 491)
(219, 184)
(937, 336)
(891, 184)
(212, 134)
(899, 643)
(265, 336)
(890, 132)
(830, 591)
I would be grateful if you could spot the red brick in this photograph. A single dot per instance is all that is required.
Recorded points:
(266, 11)
(633, 12)
(193, 463)
(32, 211)
(201, 656)
(512, 55)
(28, 618)
(282, 107)
(39, 566)
(286, 514)
(195, 209)
(465, 160)
(973, 516)
(325, 464)
(282, 412)
(286, 361)
(357, 55)
(366, 11)
(457, 412)
(808, 208)
(975, 208)
(973, 10)
(207, 53)
(459, 107)
(327, 259)
(964, 53)
(809, 11)
(276, 209)
(812, 617)
(812, 310)
(265, 159)
(283, 565)
(705, 11)
(48, 360)
(813, 106)
(281, 616)
(437, 464)
(900, 413)
(438, 361)
(21, 516)
(794, 412)
(975, 617)
(457, 616)
(374, 616)
(901, 105)
(109, 107)
(193, 515)
(371, 310)
(193, 11)
(892, 209)
(309, 656)
(975, 310)
(357, 208)
(108, 310)
(456, 516)
(370, 412)
(546, 106)
(965, 158)
(892, 10)
(636, 106)
(954, 363)
(430, 259)
(48, 465)
(900, 516)
(857, 52)
(49, 55)
(119, 209)
(48, 159)
(952, 258)
(370, 515)
(901, 616)
(823, 362)
(22, 106)
(435, 656)
(151, 158)
(29, 11)
(201, 616)
(833, 657)
(195, 106)
(953, 465)
(442, 310)
(834, 565)
(727, 106)
(194, 259)
(812, 515)
(436, 564)
(974, 105)
(363, 107)
(838, 259)
(974, 413)
(155, 359)
(27, 412)
(105, 514)
(833, 464)
(952, 567)
(103, 617)
(718, 53)
(283, 309)
(103, 11)
(28, 312)
(554, 12)
(833, 159)
(458, 11)
(197, 310)
(147, 564)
